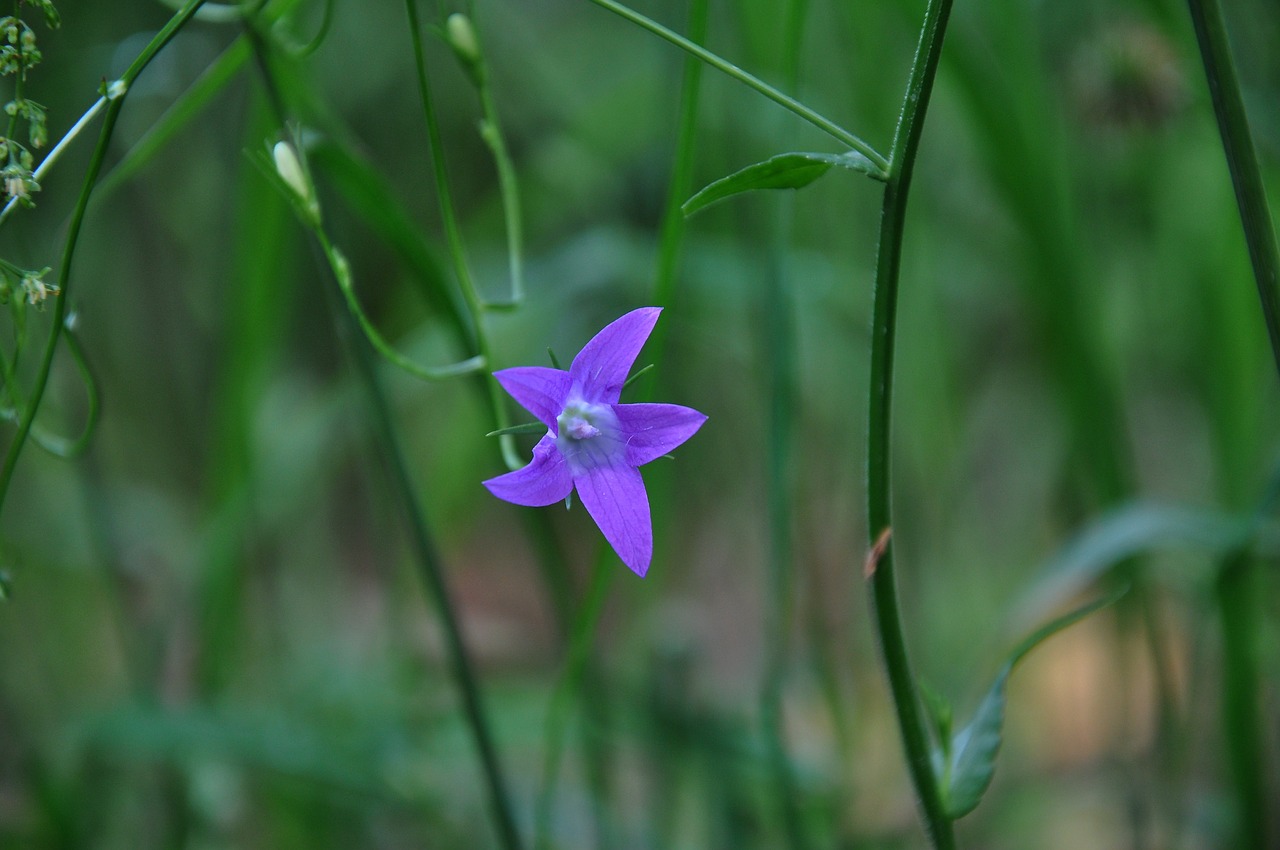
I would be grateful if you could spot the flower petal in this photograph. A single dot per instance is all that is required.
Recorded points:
(540, 390)
(651, 430)
(545, 481)
(601, 368)
(616, 500)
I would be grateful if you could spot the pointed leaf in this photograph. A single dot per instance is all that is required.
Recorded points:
(522, 428)
(784, 171)
(975, 747)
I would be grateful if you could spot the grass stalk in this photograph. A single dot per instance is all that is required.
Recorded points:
(1236, 596)
(453, 236)
(426, 554)
(1242, 160)
(787, 102)
(888, 618)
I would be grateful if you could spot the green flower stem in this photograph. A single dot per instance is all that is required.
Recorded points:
(879, 513)
(508, 186)
(427, 556)
(116, 94)
(431, 567)
(453, 234)
(55, 153)
(1242, 160)
(342, 272)
(821, 122)
(1236, 592)
(61, 447)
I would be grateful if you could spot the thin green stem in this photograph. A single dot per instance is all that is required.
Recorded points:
(426, 554)
(342, 271)
(116, 94)
(431, 568)
(1242, 159)
(508, 185)
(61, 447)
(820, 121)
(453, 235)
(1236, 595)
(879, 491)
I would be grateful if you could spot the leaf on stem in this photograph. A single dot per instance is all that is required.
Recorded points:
(970, 763)
(523, 428)
(784, 171)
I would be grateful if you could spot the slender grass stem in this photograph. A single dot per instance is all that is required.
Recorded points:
(1236, 597)
(1242, 159)
(879, 456)
(426, 554)
(453, 235)
(116, 94)
(508, 185)
(431, 567)
(820, 121)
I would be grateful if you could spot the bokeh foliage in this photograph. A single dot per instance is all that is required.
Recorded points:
(216, 636)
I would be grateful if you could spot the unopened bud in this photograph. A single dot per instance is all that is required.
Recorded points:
(290, 170)
(462, 37)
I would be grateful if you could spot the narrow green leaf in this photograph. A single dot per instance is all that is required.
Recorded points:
(636, 375)
(524, 428)
(975, 747)
(784, 171)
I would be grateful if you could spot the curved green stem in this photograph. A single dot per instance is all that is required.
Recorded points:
(342, 271)
(453, 235)
(115, 94)
(426, 554)
(508, 185)
(820, 121)
(62, 447)
(888, 618)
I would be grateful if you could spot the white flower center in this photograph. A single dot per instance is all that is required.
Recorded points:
(587, 434)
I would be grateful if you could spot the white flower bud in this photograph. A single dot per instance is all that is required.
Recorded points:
(290, 170)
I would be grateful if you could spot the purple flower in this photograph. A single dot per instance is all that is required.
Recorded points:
(592, 442)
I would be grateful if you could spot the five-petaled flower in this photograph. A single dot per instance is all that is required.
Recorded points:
(594, 443)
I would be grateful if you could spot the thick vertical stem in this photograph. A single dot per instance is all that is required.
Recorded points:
(879, 491)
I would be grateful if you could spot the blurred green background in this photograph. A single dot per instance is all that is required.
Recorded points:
(216, 636)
